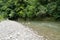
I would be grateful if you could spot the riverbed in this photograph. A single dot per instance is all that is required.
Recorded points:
(12, 30)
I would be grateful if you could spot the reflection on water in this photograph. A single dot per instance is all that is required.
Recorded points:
(50, 30)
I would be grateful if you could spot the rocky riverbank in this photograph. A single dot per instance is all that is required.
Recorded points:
(11, 30)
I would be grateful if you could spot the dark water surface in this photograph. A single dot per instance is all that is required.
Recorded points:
(50, 30)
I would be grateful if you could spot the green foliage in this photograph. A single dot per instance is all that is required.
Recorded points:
(51, 7)
(13, 9)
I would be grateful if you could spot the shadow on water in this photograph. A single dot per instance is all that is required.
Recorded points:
(50, 30)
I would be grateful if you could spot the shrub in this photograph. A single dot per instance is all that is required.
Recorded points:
(14, 9)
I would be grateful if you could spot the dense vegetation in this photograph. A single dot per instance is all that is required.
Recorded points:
(30, 9)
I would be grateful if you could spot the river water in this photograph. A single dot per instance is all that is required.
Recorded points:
(50, 30)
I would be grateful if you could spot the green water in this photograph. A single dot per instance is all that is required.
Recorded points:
(50, 30)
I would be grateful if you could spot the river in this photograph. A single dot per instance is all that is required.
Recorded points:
(50, 30)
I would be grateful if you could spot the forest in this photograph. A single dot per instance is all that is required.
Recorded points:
(30, 9)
